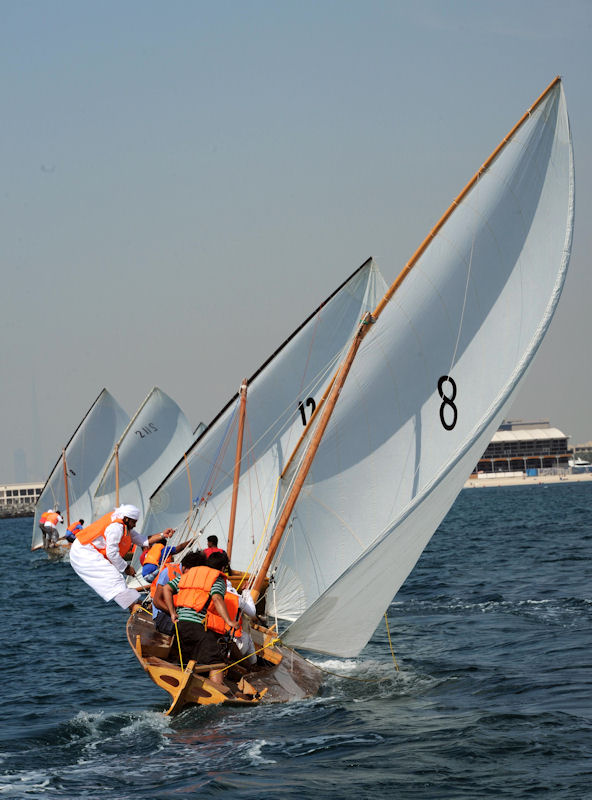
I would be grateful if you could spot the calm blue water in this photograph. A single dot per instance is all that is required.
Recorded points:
(492, 633)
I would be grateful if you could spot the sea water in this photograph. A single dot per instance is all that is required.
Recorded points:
(492, 699)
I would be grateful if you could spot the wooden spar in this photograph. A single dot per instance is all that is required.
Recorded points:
(345, 367)
(310, 453)
(116, 476)
(237, 463)
(66, 488)
(455, 203)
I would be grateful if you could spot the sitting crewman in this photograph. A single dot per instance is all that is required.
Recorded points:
(73, 529)
(237, 604)
(158, 555)
(189, 598)
(160, 614)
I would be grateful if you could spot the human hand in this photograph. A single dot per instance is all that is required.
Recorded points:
(129, 570)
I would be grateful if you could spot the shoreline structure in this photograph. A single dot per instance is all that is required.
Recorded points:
(527, 480)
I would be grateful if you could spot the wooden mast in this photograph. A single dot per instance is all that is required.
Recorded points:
(237, 464)
(66, 488)
(116, 476)
(345, 367)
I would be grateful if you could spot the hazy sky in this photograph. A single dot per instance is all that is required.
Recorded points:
(183, 182)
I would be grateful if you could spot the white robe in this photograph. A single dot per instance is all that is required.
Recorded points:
(101, 574)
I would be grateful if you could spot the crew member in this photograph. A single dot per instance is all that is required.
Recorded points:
(213, 547)
(73, 529)
(97, 554)
(159, 555)
(48, 522)
(188, 598)
(237, 603)
(160, 614)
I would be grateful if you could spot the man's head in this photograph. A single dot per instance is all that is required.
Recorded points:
(212, 541)
(196, 559)
(218, 561)
(129, 514)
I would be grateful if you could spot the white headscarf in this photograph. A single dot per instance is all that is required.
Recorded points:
(131, 512)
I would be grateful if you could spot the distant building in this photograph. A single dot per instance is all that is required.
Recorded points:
(19, 498)
(521, 446)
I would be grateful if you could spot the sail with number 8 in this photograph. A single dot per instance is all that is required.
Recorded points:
(410, 405)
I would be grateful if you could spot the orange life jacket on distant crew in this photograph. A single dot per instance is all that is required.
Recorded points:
(43, 518)
(97, 528)
(154, 553)
(52, 517)
(172, 570)
(74, 528)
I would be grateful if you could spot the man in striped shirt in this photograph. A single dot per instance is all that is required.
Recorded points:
(197, 588)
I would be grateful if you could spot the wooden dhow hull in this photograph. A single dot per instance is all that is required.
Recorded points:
(280, 676)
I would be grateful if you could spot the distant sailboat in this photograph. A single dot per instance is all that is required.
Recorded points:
(73, 480)
(154, 440)
(403, 405)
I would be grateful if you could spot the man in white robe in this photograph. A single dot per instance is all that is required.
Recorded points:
(105, 573)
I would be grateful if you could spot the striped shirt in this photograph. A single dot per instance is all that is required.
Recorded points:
(190, 614)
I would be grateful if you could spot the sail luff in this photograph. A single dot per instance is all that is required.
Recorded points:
(310, 453)
(237, 465)
(456, 202)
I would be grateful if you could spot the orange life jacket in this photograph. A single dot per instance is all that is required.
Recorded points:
(52, 517)
(214, 621)
(209, 550)
(154, 553)
(74, 527)
(172, 570)
(193, 590)
(97, 528)
(43, 518)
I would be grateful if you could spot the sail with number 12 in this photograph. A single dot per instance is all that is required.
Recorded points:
(366, 423)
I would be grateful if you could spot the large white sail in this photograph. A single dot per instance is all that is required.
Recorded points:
(281, 397)
(86, 453)
(431, 382)
(155, 439)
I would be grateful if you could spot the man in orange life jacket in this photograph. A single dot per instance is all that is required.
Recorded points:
(73, 529)
(236, 603)
(157, 556)
(48, 523)
(188, 598)
(97, 555)
(160, 614)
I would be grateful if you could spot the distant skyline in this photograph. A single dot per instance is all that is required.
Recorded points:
(184, 183)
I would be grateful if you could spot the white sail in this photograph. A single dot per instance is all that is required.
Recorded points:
(156, 437)
(281, 396)
(86, 453)
(431, 382)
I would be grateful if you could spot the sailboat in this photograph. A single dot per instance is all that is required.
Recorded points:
(72, 482)
(362, 437)
(155, 438)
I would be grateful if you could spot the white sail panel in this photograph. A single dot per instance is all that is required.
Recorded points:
(86, 453)
(278, 396)
(469, 317)
(154, 440)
